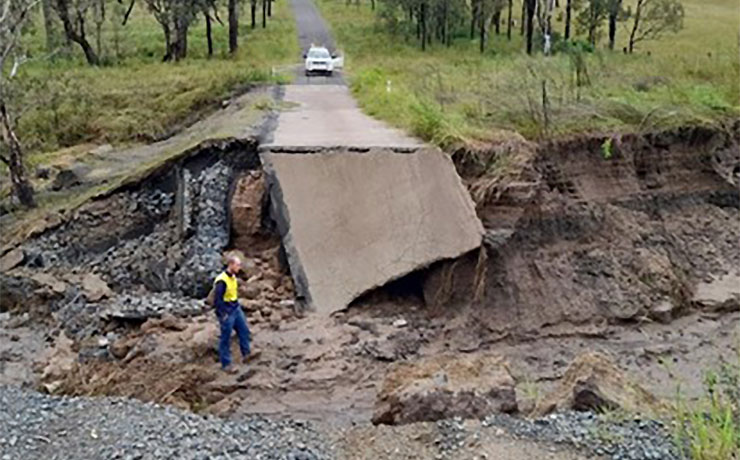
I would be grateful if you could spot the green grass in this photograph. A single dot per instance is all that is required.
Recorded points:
(453, 95)
(134, 96)
(710, 429)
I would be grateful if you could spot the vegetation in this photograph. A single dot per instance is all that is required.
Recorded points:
(710, 430)
(122, 90)
(447, 91)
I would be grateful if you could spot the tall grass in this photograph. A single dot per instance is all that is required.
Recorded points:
(448, 93)
(134, 96)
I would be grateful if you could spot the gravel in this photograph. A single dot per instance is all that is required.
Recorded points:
(33, 425)
(618, 439)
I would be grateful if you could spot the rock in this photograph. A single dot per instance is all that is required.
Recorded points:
(400, 323)
(120, 348)
(95, 288)
(594, 382)
(66, 178)
(246, 207)
(12, 259)
(43, 172)
(60, 360)
(167, 321)
(662, 311)
(721, 293)
(45, 280)
(249, 291)
(446, 386)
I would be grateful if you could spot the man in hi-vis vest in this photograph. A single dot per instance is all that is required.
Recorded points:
(230, 315)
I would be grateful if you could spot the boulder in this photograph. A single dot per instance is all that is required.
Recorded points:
(446, 386)
(246, 207)
(95, 288)
(594, 382)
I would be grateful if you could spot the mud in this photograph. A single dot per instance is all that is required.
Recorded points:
(633, 256)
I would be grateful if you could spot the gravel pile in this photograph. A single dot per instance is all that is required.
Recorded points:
(628, 439)
(153, 305)
(33, 425)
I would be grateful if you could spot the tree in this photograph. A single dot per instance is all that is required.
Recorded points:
(653, 18)
(13, 16)
(568, 15)
(73, 14)
(175, 17)
(234, 25)
(616, 13)
(531, 6)
(591, 18)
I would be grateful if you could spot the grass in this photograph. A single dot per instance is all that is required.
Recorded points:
(453, 95)
(710, 429)
(135, 97)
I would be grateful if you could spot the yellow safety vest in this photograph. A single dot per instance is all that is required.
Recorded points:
(230, 294)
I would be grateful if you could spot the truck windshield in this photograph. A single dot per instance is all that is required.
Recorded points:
(318, 54)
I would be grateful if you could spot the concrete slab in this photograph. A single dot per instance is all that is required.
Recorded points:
(328, 116)
(353, 221)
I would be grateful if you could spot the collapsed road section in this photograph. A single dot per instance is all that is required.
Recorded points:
(352, 221)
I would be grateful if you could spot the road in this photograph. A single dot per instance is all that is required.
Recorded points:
(321, 111)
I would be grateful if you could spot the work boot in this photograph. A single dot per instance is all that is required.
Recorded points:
(230, 370)
(251, 356)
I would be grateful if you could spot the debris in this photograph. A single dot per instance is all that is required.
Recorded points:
(400, 323)
(593, 382)
(11, 260)
(329, 223)
(446, 386)
(95, 288)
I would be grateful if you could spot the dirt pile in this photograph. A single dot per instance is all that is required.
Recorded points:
(444, 387)
(594, 382)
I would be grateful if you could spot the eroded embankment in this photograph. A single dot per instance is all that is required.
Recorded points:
(632, 254)
(585, 234)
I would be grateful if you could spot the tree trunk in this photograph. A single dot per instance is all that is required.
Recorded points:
(508, 21)
(253, 8)
(615, 6)
(568, 11)
(636, 25)
(209, 36)
(531, 5)
(592, 24)
(372, 5)
(181, 40)
(269, 8)
(22, 188)
(168, 48)
(482, 26)
(233, 26)
(264, 14)
(74, 35)
(423, 22)
(497, 22)
(524, 17)
(50, 31)
(473, 17)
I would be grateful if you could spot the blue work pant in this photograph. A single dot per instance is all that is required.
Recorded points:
(230, 321)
